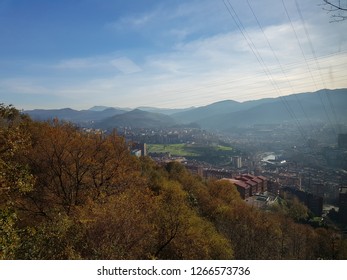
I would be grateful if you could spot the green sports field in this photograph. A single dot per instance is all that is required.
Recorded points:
(211, 154)
(183, 150)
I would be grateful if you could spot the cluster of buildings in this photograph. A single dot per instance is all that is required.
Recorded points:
(168, 135)
(249, 185)
(309, 184)
(313, 202)
(207, 171)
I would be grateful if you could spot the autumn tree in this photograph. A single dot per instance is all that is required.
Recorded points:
(15, 177)
(68, 194)
(119, 227)
(72, 166)
(182, 234)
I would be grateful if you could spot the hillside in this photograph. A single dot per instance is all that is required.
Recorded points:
(68, 194)
(208, 111)
(327, 106)
(137, 119)
(74, 116)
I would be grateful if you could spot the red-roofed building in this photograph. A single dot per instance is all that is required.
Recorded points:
(249, 185)
(264, 183)
(243, 188)
(253, 187)
(248, 176)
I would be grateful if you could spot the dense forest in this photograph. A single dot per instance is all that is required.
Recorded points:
(68, 194)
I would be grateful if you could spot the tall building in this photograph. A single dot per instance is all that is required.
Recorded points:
(313, 202)
(140, 146)
(237, 162)
(343, 205)
(342, 141)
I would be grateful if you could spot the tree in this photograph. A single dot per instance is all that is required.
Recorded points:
(67, 194)
(72, 166)
(15, 176)
(181, 232)
(337, 9)
(9, 239)
(120, 226)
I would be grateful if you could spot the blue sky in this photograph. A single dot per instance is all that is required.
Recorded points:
(172, 54)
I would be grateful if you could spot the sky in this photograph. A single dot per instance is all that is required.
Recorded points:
(168, 54)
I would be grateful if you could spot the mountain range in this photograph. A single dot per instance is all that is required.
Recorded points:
(328, 106)
(137, 119)
(75, 116)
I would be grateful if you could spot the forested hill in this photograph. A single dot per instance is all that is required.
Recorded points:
(137, 119)
(67, 194)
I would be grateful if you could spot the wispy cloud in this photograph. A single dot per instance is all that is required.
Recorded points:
(200, 57)
(132, 21)
(79, 63)
(23, 85)
(126, 65)
(104, 64)
(173, 22)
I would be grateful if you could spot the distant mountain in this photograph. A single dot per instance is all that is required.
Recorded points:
(321, 106)
(43, 115)
(208, 111)
(217, 108)
(98, 108)
(137, 119)
(103, 108)
(71, 115)
(165, 111)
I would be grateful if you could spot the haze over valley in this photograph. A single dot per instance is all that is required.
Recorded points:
(301, 109)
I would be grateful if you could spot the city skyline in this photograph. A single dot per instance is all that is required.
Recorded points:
(168, 54)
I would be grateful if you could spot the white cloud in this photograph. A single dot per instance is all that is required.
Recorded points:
(23, 85)
(126, 65)
(132, 21)
(208, 59)
(207, 70)
(102, 64)
(78, 63)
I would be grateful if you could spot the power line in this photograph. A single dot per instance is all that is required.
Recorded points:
(280, 65)
(238, 83)
(317, 64)
(307, 65)
(259, 58)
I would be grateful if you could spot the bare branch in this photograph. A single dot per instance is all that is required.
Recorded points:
(338, 10)
(337, 18)
(336, 6)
